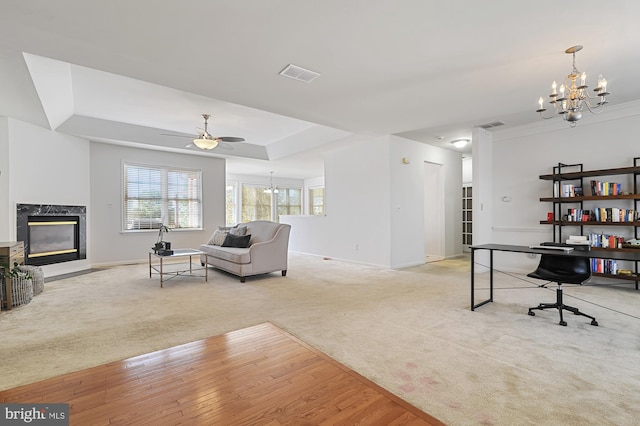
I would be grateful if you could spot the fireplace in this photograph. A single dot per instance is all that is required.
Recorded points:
(52, 233)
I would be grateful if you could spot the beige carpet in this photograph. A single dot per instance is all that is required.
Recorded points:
(411, 331)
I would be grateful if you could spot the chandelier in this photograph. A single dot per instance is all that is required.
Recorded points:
(570, 98)
(271, 189)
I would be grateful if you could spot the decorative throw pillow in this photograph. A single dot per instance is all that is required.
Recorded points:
(218, 236)
(239, 241)
(238, 230)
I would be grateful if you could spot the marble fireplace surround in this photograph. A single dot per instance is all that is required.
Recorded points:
(27, 212)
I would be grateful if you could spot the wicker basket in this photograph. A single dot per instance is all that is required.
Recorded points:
(37, 276)
(22, 290)
(3, 302)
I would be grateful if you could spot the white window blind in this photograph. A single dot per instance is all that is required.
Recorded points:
(154, 196)
(256, 204)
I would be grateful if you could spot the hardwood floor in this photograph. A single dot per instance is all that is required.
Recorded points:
(260, 375)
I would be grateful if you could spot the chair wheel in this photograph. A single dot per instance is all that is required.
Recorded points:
(594, 322)
(533, 314)
(563, 323)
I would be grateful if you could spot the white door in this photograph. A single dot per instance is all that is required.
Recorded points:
(433, 211)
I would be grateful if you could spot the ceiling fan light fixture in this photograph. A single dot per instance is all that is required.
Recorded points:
(205, 143)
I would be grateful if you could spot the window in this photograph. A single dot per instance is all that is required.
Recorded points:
(316, 201)
(161, 195)
(289, 201)
(231, 202)
(256, 204)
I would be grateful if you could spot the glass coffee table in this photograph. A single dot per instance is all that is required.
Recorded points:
(172, 268)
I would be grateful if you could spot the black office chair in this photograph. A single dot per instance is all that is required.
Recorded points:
(562, 270)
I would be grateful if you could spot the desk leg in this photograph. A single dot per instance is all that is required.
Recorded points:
(149, 265)
(490, 299)
(206, 268)
(490, 275)
(161, 272)
(473, 274)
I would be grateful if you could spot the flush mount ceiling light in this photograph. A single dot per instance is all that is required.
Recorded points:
(271, 189)
(460, 143)
(571, 97)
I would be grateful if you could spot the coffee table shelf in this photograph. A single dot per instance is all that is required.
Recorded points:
(173, 269)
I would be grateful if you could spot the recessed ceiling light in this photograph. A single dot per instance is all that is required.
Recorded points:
(460, 143)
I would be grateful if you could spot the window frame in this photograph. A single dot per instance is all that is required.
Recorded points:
(259, 188)
(273, 200)
(310, 200)
(164, 198)
(285, 192)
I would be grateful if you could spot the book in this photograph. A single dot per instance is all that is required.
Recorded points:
(578, 240)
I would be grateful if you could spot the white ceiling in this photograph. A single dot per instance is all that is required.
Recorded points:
(128, 71)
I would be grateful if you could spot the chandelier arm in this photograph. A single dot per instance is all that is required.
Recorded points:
(587, 95)
(597, 109)
(542, 114)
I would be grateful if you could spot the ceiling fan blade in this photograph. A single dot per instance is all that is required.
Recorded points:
(230, 139)
(223, 145)
(176, 136)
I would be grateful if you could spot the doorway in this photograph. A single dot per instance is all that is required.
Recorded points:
(433, 212)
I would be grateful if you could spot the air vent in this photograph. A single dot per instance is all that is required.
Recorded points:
(490, 125)
(299, 73)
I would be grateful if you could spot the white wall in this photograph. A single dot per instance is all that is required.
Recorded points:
(408, 204)
(48, 168)
(356, 222)
(374, 204)
(467, 170)
(521, 155)
(109, 244)
(357, 199)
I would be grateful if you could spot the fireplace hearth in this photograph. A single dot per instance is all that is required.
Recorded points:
(52, 233)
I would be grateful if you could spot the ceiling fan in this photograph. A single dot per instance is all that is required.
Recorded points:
(204, 140)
